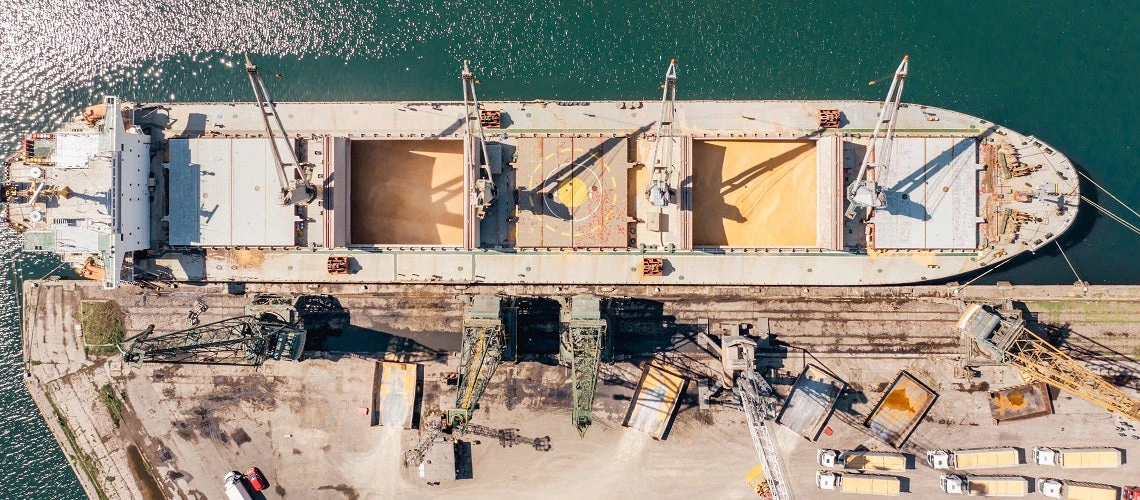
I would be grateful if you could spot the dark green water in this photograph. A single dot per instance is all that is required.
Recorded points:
(1065, 72)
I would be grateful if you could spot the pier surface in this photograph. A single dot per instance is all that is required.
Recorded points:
(175, 430)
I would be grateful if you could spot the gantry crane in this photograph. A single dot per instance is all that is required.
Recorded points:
(488, 329)
(759, 403)
(583, 342)
(864, 190)
(483, 191)
(1011, 343)
(293, 175)
(485, 338)
(245, 340)
(661, 188)
(268, 330)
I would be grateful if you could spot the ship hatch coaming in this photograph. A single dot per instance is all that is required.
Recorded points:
(756, 194)
(931, 191)
(407, 192)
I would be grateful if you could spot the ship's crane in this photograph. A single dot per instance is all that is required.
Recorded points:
(293, 175)
(483, 192)
(864, 191)
(1011, 343)
(661, 189)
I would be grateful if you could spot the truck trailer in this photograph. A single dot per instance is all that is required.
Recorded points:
(862, 460)
(984, 486)
(982, 458)
(1077, 458)
(1074, 490)
(867, 484)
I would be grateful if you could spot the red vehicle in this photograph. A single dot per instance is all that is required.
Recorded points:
(256, 479)
(1132, 493)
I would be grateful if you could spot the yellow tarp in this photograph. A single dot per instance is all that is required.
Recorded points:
(655, 400)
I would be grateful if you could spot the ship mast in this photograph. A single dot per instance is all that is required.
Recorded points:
(864, 191)
(659, 191)
(483, 192)
(298, 190)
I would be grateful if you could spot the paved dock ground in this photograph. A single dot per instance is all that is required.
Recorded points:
(301, 424)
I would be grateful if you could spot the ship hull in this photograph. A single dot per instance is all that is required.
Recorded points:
(758, 195)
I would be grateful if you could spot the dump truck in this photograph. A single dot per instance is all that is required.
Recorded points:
(982, 458)
(984, 486)
(867, 484)
(235, 487)
(1077, 458)
(1074, 490)
(861, 460)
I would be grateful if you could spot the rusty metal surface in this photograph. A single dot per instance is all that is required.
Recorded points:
(652, 406)
(811, 401)
(1021, 402)
(572, 192)
(901, 410)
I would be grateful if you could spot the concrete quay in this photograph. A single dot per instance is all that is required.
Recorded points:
(182, 427)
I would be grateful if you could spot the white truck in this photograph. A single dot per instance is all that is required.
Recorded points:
(1073, 490)
(867, 484)
(235, 487)
(982, 458)
(861, 460)
(1077, 458)
(984, 486)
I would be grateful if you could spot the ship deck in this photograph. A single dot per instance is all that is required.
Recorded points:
(758, 194)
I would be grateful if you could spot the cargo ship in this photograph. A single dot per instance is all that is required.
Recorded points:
(653, 191)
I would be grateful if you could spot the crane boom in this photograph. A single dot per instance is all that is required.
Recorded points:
(483, 191)
(758, 402)
(1011, 343)
(481, 352)
(660, 190)
(244, 340)
(582, 344)
(864, 191)
(296, 188)
(1042, 361)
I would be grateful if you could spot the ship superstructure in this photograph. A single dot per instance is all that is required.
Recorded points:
(84, 191)
(575, 192)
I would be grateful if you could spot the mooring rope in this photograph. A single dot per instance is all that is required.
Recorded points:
(1070, 263)
(1113, 216)
(1098, 186)
(978, 277)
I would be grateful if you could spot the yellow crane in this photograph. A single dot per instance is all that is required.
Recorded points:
(484, 339)
(1011, 343)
